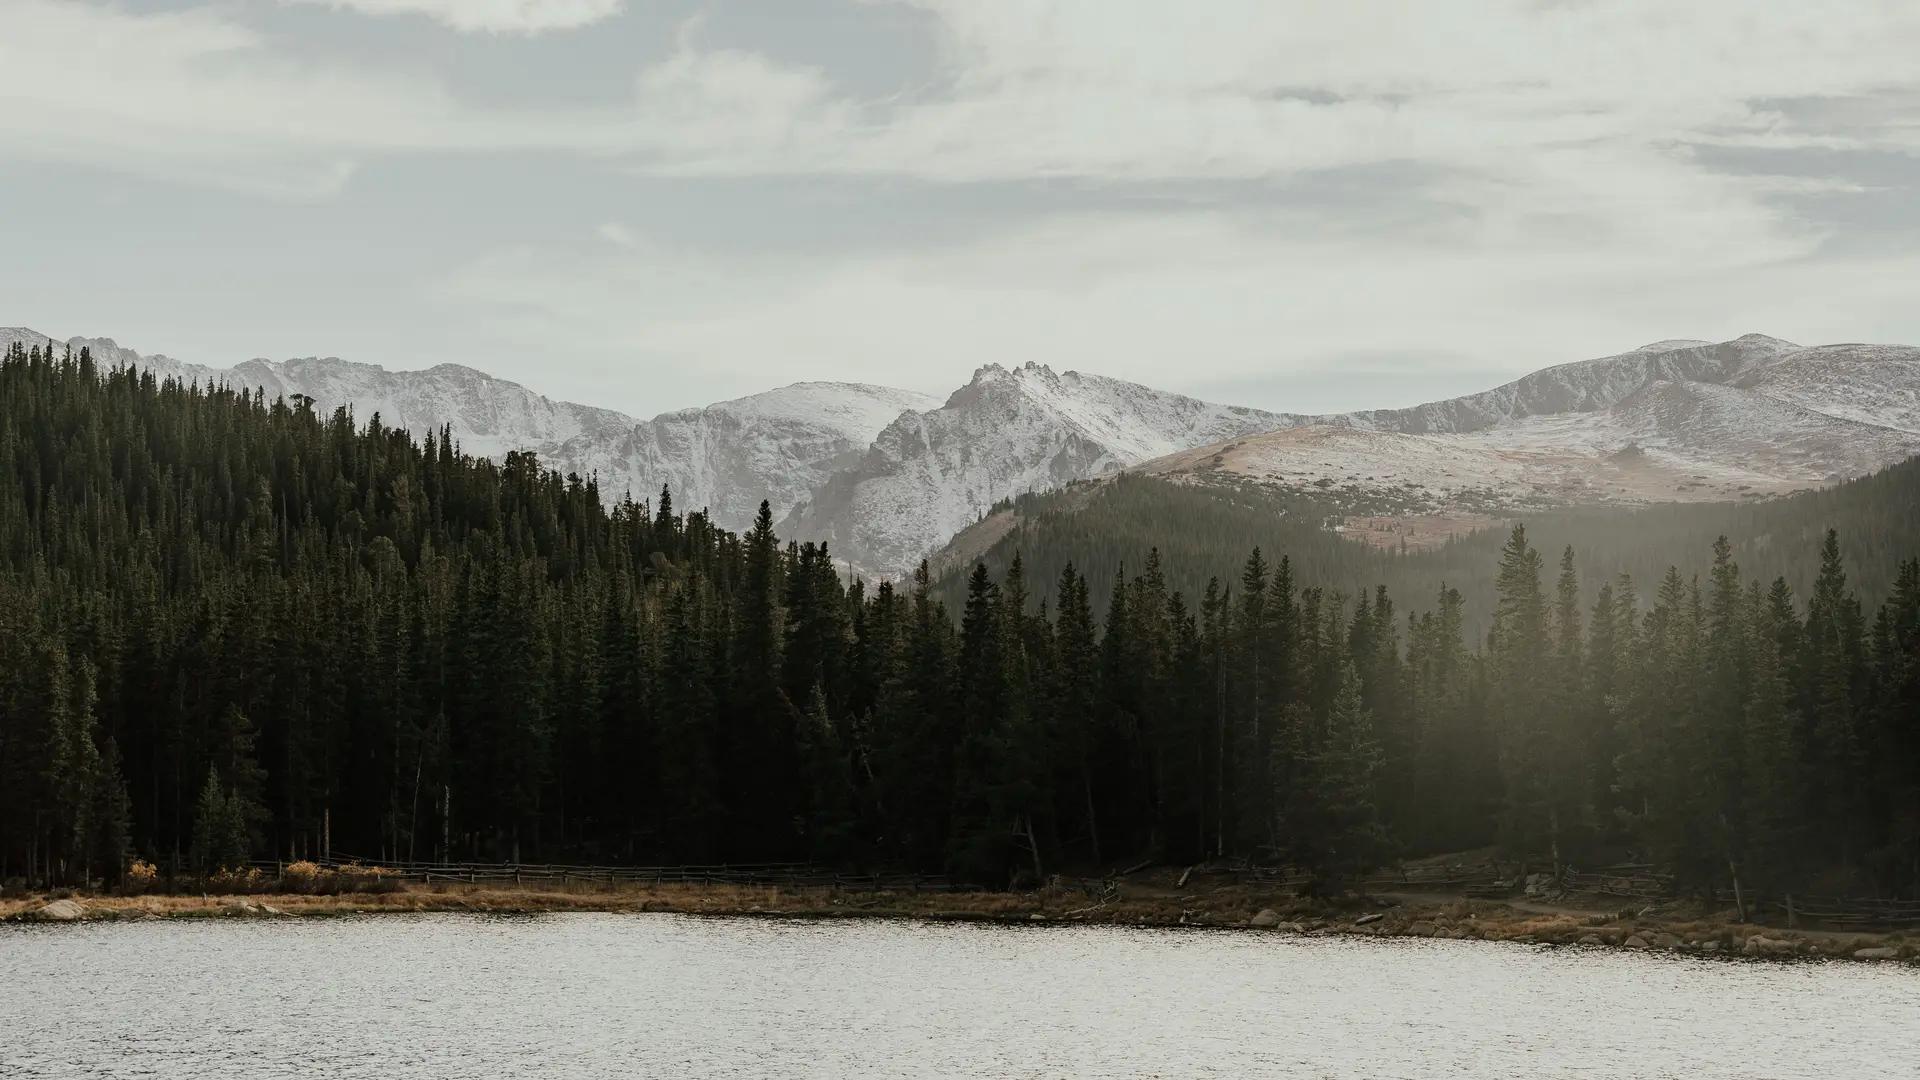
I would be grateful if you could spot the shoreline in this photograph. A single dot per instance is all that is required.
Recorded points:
(1233, 908)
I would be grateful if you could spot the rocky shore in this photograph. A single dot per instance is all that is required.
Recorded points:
(1689, 933)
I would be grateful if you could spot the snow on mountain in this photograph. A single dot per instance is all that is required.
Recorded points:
(889, 475)
(1582, 386)
(778, 445)
(1677, 421)
(928, 475)
(1872, 384)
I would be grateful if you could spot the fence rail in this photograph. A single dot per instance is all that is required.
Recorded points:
(1846, 912)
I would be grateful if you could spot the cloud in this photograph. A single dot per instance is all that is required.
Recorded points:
(1562, 177)
(195, 96)
(491, 16)
(1183, 300)
(617, 234)
(1107, 91)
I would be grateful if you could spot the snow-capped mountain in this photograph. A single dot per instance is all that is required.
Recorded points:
(778, 445)
(1674, 421)
(888, 476)
(928, 475)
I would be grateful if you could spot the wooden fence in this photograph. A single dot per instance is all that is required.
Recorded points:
(1464, 877)
(1844, 912)
(1630, 881)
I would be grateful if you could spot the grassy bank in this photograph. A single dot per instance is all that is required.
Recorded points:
(1253, 909)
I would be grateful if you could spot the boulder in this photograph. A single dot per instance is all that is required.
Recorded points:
(1590, 939)
(1710, 946)
(1365, 919)
(1665, 941)
(1266, 918)
(1638, 942)
(1880, 952)
(1760, 945)
(61, 911)
(1421, 929)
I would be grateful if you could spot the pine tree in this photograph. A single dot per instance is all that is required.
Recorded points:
(1073, 697)
(212, 838)
(979, 847)
(829, 827)
(73, 762)
(1517, 652)
(111, 818)
(240, 771)
(1333, 822)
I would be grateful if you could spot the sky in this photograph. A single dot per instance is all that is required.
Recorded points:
(651, 204)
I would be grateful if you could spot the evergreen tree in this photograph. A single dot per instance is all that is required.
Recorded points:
(1517, 653)
(830, 823)
(212, 833)
(111, 818)
(73, 764)
(371, 645)
(1333, 822)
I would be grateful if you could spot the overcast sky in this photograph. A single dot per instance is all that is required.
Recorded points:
(648, 204)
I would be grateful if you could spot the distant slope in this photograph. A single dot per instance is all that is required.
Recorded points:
(1871, 384)
(1201, 532)
(778, 445)
(1745, 419)
(1673, 421)
(1580, 386)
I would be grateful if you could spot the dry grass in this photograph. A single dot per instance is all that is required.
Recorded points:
(1149, 903)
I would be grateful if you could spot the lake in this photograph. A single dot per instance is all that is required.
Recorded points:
(399, 997)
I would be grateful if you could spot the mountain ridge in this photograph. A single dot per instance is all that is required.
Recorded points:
(890, 476)
(1008, 430)
(775, 445)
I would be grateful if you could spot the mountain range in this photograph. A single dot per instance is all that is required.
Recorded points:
(778, 446)
(1677, 421)
(889, 476)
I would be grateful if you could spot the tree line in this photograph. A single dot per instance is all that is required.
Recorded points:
(233, 627)
(1201, 527)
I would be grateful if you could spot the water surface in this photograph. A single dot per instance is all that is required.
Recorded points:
(400, 997)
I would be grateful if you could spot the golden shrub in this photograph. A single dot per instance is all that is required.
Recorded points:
(141, 875)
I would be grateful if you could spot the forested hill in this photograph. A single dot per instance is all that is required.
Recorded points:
(233, 628)
(1103, 527)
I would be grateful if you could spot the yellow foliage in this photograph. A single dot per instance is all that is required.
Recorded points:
(142, 875)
